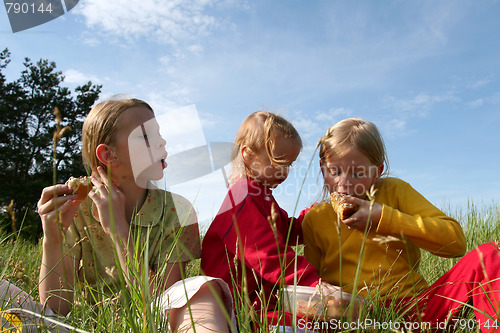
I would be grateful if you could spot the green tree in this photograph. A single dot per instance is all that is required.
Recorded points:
(27, 125)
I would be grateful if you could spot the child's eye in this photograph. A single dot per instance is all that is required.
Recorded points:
(147, 140)
(334, 171)
(145, 135)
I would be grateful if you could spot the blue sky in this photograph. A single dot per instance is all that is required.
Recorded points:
(427, 73)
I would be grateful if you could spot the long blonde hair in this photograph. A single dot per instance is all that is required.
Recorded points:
(258, 132)
(100, 126)
(353, 133)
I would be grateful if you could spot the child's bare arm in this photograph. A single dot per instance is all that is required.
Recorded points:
(56, 279)
(56, 208)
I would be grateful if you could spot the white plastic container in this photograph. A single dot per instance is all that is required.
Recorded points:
(307, 302)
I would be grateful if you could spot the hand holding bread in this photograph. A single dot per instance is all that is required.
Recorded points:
(81, 186)
(57, 207)
(354, 212)
(343, 208)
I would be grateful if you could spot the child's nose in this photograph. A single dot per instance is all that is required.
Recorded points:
(162, 142)
(343, 183)
(162, 145)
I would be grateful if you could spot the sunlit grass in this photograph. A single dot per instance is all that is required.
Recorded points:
(130, 310)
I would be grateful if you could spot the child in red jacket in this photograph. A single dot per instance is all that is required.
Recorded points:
(249, 241)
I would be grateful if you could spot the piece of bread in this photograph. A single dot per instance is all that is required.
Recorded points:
(81, 186)
(311, 303)
(341, 207)
(339, 307)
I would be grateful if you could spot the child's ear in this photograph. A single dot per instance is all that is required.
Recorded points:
(380, 170)
(246, 153)
(106, 156)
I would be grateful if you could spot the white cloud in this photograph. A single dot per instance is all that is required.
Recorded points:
(404, 110)
(314, 124)
(420, 103)
(492, 100)
(476, 103)
(478, 84)
(168, 22)
(195, 49)
(305, 126)
(334, 115)
(172, 97)
(74, 76)
(397, 125)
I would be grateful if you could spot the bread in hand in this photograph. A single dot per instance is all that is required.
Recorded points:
(80, 186)
(342, 208)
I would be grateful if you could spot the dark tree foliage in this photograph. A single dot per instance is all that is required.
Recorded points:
(27, 125)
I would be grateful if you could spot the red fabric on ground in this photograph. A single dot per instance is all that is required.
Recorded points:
(473, 280)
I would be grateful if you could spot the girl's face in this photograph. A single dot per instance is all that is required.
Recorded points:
(353, 174)
(139, 147)
(261, 168)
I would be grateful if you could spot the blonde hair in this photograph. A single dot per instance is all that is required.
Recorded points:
(353, 133)
(101, 126)
(257, 132)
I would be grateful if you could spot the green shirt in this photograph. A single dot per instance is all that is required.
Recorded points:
(166, 223)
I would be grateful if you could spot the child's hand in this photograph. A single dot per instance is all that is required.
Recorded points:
(59, 196)
(359, 219)
(106, 195)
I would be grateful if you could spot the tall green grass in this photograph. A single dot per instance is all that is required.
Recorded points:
(20, 263)
(131, 308)
(481, 224)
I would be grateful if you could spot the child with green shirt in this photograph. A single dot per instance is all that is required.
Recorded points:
(125, 152)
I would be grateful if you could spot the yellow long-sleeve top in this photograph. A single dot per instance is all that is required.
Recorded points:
(391, 254)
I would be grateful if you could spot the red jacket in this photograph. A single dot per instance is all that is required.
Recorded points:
(241, 229)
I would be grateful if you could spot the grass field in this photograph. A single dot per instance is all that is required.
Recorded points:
(20, 262)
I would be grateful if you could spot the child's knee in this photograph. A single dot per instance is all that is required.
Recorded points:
(210, 289)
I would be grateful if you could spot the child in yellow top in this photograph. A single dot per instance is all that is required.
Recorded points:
(398, 224)
(389, 265)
